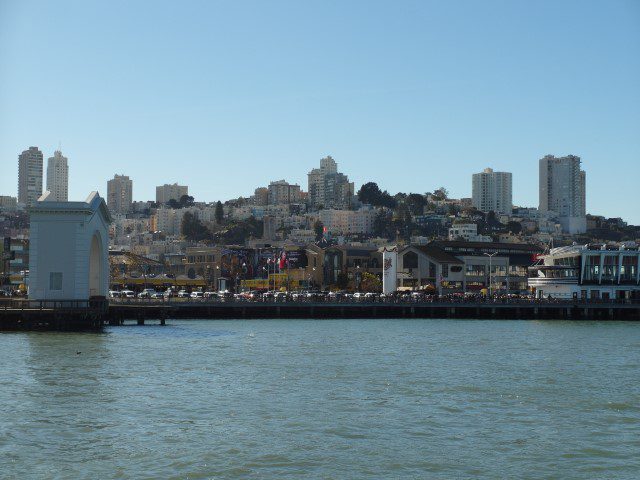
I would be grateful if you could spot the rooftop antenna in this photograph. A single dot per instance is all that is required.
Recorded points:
(59, 146)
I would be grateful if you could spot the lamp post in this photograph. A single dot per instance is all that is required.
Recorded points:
(490, 255)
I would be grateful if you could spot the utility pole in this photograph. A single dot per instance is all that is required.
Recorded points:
(490, 255)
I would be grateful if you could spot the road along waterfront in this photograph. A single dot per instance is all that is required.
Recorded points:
(372, 398)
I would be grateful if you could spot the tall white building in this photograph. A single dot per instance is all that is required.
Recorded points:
(58, 177)
(327, 187)
(492, 191)
(563, 192)
(167, 192)
(119, 194)
(30, 176)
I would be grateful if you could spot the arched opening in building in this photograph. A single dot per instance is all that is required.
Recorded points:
(95, 266)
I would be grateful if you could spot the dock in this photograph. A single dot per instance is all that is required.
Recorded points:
(92, 316)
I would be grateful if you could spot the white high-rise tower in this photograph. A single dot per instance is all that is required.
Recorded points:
(492, 191)
(563, 192)
(30, 176)
(58, 177)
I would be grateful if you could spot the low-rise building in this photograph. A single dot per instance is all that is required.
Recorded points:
(427, 267)
(8, 204)
(467, 232)
(348, 222)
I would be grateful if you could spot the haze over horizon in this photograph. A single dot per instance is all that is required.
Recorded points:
(227, 96)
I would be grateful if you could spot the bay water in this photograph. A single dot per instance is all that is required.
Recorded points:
(328, 399)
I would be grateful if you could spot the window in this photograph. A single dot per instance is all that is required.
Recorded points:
(55, 281)
(445, 270)
(410, 260)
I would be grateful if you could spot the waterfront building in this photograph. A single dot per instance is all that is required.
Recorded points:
(428, 267)
(504, 266)
(350, 262)
(69, 248)
(167, 192)
(328, 188)
(563, 192)
(119, 194)
(593, 272)
(58, 177)
(30, 176)
(492, 191)
(15, 269)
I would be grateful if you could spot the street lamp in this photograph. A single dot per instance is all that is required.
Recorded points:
(490, 255)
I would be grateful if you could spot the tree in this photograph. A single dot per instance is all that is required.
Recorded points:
(440, 193)
(318, 228)
(219, 213)
(193, 229)
(416, 203)
(342, 281)
(173, 203)
(370, 193)
(186, 201)
(514, 227)
(370, 283)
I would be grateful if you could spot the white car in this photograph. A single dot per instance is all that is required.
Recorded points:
(197, 295)
(114, 294)
(183, 294)
(127, 294)
(146, 293)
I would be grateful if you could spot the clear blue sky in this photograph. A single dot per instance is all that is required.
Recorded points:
(227, 96)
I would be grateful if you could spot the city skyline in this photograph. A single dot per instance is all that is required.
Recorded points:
(418, 106)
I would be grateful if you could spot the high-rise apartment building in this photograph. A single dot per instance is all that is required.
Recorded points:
(282, 192)
(119, 194)
(58, 177)
(327, 187)
(492, 191)
(167, 192)
(563, 192)
(30, 175)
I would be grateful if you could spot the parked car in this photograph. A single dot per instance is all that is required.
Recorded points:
(146, 293)
(157, 296)
(127, 294)
(183, 294)
(197, 295)
(211, 295)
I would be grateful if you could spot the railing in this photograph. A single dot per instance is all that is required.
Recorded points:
(25, 304)
(358, 301)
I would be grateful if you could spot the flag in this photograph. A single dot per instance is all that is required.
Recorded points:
(283, 260)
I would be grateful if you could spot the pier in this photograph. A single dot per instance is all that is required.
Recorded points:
(139, 312)
(52, 315)
(93, 315)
